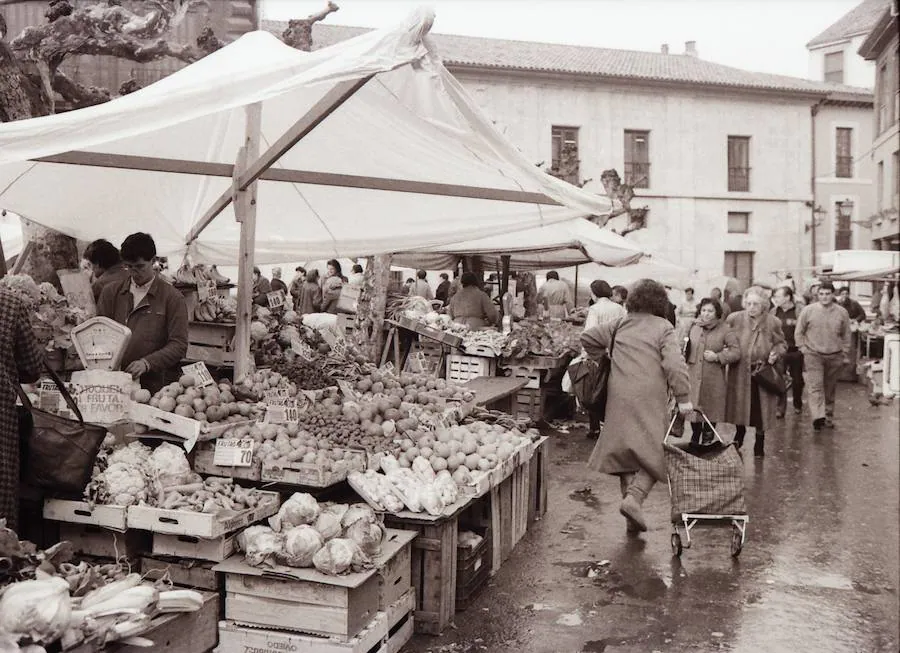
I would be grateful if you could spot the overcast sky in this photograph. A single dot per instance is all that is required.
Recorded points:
(765, 36)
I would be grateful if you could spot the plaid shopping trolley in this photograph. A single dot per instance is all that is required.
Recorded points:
(706, 486)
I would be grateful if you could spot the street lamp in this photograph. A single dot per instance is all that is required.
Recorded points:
(817, 215)
(845, 209)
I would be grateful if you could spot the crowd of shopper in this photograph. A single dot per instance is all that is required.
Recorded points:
(716, 367)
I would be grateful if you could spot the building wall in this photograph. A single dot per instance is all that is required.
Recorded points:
(857, 71)
(886, 150)
(688, 196)
(831, 189)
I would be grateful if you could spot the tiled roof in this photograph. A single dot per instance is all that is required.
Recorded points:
(859, 20)
(458, 51)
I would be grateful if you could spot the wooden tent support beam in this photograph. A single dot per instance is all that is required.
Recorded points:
(22, 257)
(2, 261)
(128, 162)
(245, 212)
(329, 103)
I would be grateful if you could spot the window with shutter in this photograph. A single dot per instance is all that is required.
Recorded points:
(843, 232)
(834, 67)
(738, 222)
(844, 159)
(739, 163)
(564, 163)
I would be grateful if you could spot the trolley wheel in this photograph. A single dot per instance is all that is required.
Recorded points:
(737, 542)
(676, 545)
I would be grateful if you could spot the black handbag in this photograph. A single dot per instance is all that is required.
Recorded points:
(57, 453)
(768, 378)
(590, 379)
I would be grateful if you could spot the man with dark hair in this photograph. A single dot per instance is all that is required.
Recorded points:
(297, 283)
(716, 293)
(823, 335)
(555, 296)
(357, 278)
(603, 309)
(854, 309)
(787, 311)
(619, 295)
(442, 293)
(420, 287)
(155, 312)
(261, 288)
(106, 265)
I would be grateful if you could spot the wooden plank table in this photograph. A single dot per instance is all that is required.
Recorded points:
(496, 392)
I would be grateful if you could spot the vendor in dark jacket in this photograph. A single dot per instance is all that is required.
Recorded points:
(154, 311)
(787, 311)
(854, 308)
(106, 265)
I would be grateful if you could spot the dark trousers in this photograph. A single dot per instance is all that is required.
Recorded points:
(793, 364)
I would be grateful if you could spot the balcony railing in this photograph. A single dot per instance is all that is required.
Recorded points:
(739, 179)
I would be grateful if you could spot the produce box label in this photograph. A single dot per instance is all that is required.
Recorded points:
(200, 372)
(102, 397)
(276, 299)
(231, 452)
(302, 349)
(206, 289)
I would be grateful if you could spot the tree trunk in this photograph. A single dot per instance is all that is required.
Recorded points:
(378, 278)
(19, 98)
(51, 251)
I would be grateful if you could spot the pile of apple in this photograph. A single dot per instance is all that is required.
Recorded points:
(257, 384)
(461, 450)
(213, 403)
(421, 389)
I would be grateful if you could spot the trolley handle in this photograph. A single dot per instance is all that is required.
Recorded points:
(703, 417)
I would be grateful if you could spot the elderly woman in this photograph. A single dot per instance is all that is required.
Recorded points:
(471, 305)
(646, 366)
(761, 341)
(712, 346)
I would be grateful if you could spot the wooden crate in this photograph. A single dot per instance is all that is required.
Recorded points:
(311, 474)
(306, 600)
(104, 543)
(473, 568)
(538, 479)
(532, 375)
(434, 565)
(203, 464)
(388, 632)
(211, 342)
(80, 512)
(194, 548)
(192, 574)
(528, 403)
(180, 632)
(346, 325)
(184, 522)
(462, 368)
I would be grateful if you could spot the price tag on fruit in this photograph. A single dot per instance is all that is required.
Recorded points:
(232, 452)
(388, 367)
(206, 289)
(339, 348)
(347, 390)
(302, 349)
(282, 414)
(276, 299)
(200, 372)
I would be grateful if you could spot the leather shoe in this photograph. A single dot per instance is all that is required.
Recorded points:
(630, 508)
(818, 423)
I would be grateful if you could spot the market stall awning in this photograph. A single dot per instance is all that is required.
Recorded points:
(374, 148)
(559, 245)
(659, 270)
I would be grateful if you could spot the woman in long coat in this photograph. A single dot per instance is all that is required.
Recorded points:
(646, 365)
(761, 340)
(310, 297)
(712, 347)
(21, 361)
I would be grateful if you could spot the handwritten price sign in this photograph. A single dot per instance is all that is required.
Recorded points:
(276, 299)
(302, 349)
(206, 289)
(200, 372)
(282, 414)
(231, 452)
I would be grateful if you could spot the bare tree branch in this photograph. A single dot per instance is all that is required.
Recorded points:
(299, 31)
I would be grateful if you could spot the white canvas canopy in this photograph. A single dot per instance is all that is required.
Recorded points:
(559, 245)
(373, 146)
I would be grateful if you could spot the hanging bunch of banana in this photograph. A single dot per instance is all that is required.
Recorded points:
(188, 275)
(216, 309)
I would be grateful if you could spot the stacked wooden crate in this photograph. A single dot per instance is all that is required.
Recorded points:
(99, 532)
(305, 610)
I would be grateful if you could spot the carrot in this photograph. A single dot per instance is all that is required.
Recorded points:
(185, 489)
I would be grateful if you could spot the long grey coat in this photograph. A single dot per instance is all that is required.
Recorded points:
(757, 338)
(708, 380)
(646, 364)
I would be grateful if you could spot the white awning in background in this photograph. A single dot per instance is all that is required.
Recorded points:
(559, 245)
(405, 161)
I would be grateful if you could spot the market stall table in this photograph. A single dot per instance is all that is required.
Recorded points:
(496, 392)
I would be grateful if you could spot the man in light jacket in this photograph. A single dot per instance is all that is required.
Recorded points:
(823, 335)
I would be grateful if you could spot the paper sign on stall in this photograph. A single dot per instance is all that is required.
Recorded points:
(276, 298)
(282, 414)
(76, 286)
(200, 372)
(49, 397)
(388, 367)
(339, 348)
(232, 452)
(302, 349)
(347, 390)
(102, 397)
(206, 289)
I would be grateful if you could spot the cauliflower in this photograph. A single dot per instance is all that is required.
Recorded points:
(123, 484)
(169, 466)
(136, 454)
(258, 331)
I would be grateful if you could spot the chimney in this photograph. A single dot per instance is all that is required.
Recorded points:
(665, 48)
(690, 48)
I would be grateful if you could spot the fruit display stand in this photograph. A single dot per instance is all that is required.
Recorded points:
(212, 343)
(172, 633)
(496, 392)
(320, 608)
